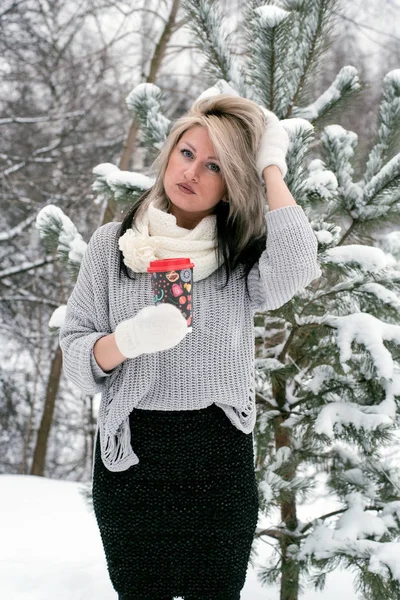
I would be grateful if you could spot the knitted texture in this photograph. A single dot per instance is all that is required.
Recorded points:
(182, 521)
(154, 328)
(274, 144)
(213, 363)
(156, 236)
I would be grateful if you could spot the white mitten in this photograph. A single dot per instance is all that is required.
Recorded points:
(154, 328)
(274, 144)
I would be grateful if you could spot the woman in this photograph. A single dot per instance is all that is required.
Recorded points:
(174, 487)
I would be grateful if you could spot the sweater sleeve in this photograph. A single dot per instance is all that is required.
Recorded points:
(289, 262)
(87, 317)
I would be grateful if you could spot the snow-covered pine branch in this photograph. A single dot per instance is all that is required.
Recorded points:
(60, 235)
(355, 267)
(213, 39)
(363, 540)
(339, 146)
(301, 133)
(268, 27)
(372, 333)
(388, 124)
(220, 87)
(345, 84)
(321, 184)
(309, 24)
(124, 186)
(145, 103)
(381, 189)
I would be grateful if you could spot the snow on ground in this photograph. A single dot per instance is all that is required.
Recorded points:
(51, 550)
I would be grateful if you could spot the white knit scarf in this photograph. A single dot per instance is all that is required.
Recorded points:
(156, 235)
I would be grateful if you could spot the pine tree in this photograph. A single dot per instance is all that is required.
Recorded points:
(327, 367)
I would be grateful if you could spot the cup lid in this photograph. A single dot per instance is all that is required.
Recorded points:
(170, 264)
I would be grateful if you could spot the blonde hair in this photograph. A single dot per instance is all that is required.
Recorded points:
(235, 126)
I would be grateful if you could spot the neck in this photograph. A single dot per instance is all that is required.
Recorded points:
(187, 220)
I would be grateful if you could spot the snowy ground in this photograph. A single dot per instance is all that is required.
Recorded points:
(51, 550)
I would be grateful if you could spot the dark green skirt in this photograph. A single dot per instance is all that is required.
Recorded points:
(182, 521)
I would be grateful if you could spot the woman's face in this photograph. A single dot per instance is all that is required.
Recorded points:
(193, 180)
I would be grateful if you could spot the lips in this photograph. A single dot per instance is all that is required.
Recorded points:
(185, 188)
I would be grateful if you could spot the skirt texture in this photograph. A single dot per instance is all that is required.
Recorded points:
(182, 521)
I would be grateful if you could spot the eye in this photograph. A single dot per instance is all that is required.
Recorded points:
(188, 151)
(215, 168)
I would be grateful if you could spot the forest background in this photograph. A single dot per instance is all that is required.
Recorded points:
(65, 74)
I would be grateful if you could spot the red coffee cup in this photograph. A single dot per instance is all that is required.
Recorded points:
(172, 282)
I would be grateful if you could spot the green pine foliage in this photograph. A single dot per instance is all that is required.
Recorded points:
(211, 37)
(145, 104)
(122, 186)
(60, 237)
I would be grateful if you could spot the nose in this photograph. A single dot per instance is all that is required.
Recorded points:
(191, 173)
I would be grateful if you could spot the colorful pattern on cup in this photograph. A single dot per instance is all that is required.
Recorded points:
(174, 287)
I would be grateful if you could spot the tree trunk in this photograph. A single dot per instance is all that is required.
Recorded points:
(39, 457)
(23, 467)
(289, 568)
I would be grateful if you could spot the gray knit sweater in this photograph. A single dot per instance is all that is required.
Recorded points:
(212, 364)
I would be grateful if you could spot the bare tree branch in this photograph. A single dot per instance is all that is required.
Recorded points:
(6, 236)
(27, 266)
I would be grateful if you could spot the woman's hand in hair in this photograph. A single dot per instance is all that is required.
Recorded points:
(273, 146)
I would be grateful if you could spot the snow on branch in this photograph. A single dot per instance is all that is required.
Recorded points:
(357, 534)
(211, 36)
(58, 317)
(145, 102)
(121, 185)
(268, 31)
(368, 258)
(366, 329)
(382, 179)
(271, 16)
(44, 119)
(346, 82)
(335, 415)
(389, 123)
(60, 234)
(320, 182)
(26, 266)
(6, 236)
(220, 87)
(339, 146)
(302, 43)
(28, 298)
(100, 186)
(301, 133)
(382, 294)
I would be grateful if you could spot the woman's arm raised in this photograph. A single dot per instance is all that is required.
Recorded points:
(278, 194)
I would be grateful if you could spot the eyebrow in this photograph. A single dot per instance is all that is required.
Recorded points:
(194, 149)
